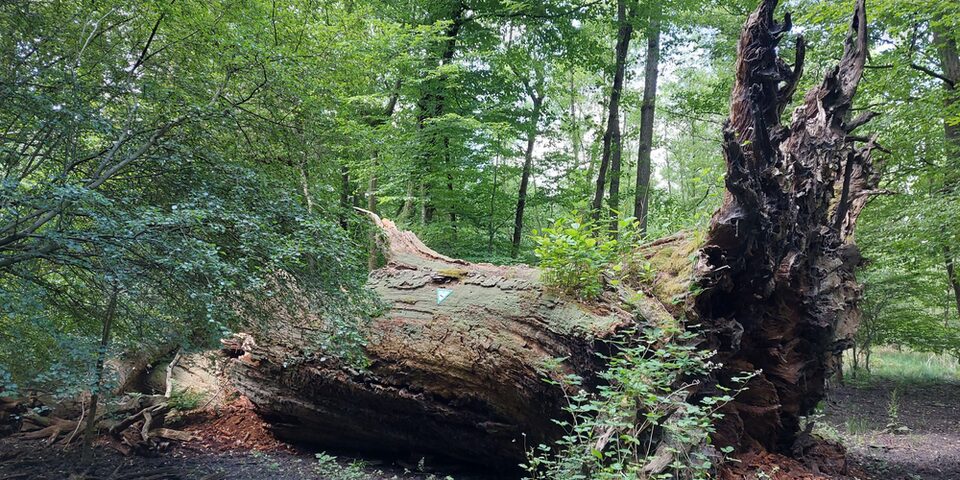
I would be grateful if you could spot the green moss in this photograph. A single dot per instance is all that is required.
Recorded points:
(452, 272)
(666, 269)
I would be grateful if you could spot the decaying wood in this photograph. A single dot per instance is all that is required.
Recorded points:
(774, 290)
(777, 269)
(139, 430)
(168, 384)
(463, 377)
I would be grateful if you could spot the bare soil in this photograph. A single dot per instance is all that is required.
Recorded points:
(232, 442)
(928, 448)
(919, 439)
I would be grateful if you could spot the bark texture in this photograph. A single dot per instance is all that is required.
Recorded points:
(777, 269)
(774, 290)
(651, 72)
(612, 142)
(461, 378)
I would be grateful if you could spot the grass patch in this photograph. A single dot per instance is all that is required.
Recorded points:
(857, 425)
(904, 366)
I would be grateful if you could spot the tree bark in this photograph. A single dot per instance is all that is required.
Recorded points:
(537, 99)
(950, 62)
(611, 137)
(461, 378)
(776, 273)
(772, 289)
(952, 274)
(89, 430)
(647, 111)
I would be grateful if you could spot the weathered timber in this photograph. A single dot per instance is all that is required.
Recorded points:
(463, 377)
(773, 288)
(777, 268)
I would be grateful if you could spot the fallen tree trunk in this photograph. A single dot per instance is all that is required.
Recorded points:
(462, 375)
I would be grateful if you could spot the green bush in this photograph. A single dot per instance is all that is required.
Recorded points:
(576, 253)
(644, 401)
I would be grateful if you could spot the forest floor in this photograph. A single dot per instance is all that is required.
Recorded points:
(902, 421)
(233, 444)
(899, 423)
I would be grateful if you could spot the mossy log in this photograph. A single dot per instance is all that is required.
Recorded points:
(463, 377)
(773, 287)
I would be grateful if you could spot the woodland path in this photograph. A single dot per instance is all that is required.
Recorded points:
(929, 450)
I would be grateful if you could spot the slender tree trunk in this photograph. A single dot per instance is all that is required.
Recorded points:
(89, 430)
(616, 165)
(856, 360)
(950, 61)
(611, 138)
(574, 123)
(491, 221)
(304, 168)
(952, 274)
(426, 206)
(406, 213)
(305, 185)
(344, 195)
(866, 358)
(647, 110)
(525, 176)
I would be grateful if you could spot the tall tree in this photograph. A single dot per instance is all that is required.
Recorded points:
(612, 141)
(651, 73)
(950, 63)
(535, 92)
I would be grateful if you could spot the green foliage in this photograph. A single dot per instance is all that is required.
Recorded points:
(152, 150)
(905, 366)
(186, 399)
(329, 468)
(646, 395)
(576, 254)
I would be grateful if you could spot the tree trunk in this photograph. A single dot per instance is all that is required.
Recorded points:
(491, 215)
(611, 137)
(460, 378)
(950, 61)
(89, 430)
(525, 175)
(373, 250)
(431, 105)
(952, 274)
(647, 110)
(772, 289)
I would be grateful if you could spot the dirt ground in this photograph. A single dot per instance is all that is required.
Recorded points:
(899, 431)
(194, 461)
(891, 431)
(230, 443)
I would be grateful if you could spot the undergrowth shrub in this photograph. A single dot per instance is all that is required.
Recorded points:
(186, 399)
(646, 400)
(576, 253)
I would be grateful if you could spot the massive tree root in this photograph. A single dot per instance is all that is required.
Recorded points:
(774, 289)
(777, 269)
